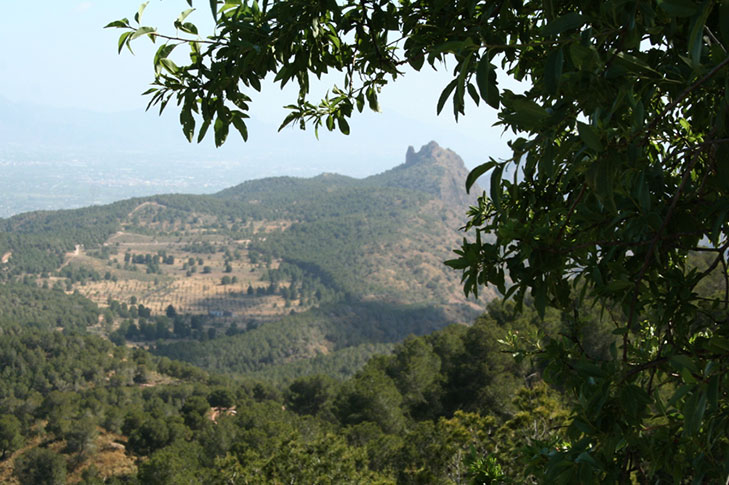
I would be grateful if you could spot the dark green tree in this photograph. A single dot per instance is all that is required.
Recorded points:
(81, 436)
(311, 395)
(371, 397)
(40, 466)
(221, 397)
(11, 437)
(194, 411)
(177, 463)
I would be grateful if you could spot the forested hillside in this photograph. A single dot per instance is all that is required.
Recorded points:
(296, 295)
(74, 408)
(264, 274)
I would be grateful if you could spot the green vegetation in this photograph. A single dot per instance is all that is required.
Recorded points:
(302, 336)
(70, 403)
(27, 306)
(38, 241)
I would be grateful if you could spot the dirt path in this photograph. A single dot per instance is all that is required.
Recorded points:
(145, 204)
(76, 252)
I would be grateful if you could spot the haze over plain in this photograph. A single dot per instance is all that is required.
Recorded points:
(73, 131)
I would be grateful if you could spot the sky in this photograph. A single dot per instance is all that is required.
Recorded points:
(58, 56)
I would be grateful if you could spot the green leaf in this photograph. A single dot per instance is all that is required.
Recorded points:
(123, 40)
(203, 130)
(712, 392)
(184, 15)
(162, 53)
(473, 93)
(694, 412)
(343, 125)
(585, 457)
(445, 94)
(221, 131)
(583, 57)
(169, 66)
(568, 21)
(600, 177)
(451, 46)
(142, 31)
(553, 70)
(416, 62)
(678, 8)
(188, 122)
(680, 362)
(240, 125)
(372, 101)
(696, 36)
(289, 118)
(529, 113)
(214, 8)
(138, 15)
(189, 28)
(474, 174)
(724, 22)
(495, 191)
(589, 136)
(486, 81)
(119, 24)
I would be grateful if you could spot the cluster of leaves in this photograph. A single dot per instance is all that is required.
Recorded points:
(618, 176)
(289, 40)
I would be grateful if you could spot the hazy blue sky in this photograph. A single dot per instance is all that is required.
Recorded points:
(58, 55)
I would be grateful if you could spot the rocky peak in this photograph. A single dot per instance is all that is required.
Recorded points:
(432, 169)
(427, 153)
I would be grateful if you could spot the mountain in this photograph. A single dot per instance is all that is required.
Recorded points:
(434, 170)
(359, 262)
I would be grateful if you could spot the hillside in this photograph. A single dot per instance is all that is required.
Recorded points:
(237, 264)
(74, 408)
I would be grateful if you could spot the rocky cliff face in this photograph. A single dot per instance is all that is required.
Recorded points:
(435, 170)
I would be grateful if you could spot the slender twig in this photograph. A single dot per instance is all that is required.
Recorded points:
(717, 260)
(180, 39)
(651, 126)
(571, 210)
(726, 283)
(641, 367)
(714, 39)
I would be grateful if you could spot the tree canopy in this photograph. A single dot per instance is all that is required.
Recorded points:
(620, 170)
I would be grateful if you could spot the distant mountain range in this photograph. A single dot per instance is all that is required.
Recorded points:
(62, 158)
